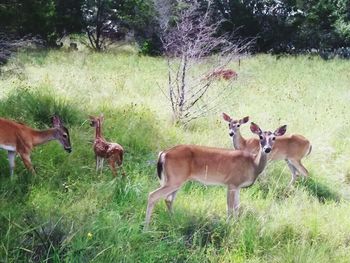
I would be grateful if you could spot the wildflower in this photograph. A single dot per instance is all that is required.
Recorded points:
(89, 235)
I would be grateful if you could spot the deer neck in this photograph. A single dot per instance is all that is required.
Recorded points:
(260, 161)
(98, 132)
(238, 141)
(43, 136)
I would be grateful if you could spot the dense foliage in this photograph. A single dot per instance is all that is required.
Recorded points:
(279, 26)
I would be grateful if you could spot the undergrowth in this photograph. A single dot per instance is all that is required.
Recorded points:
(69, 213)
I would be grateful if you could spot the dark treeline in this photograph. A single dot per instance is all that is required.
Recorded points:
(278, 26)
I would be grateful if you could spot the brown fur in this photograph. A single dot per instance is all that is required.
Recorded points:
(112, 152)
(292, 148)
(226, 74)
(22, 139)
(209, 165)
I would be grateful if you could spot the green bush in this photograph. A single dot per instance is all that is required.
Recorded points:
(37, 107)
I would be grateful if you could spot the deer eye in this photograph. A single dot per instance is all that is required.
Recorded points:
(64, 135)
(261, 137)
(274, 138)
(238, 125)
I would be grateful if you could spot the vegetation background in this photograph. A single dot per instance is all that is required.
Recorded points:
(68, 213)
(291, 26)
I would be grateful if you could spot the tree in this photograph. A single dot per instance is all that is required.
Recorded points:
(99, 18)
(342, 24)
(109, 20)
(48, 19)
(69, 16)
(190, 40)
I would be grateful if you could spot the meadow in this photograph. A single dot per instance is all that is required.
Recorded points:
(68, 213)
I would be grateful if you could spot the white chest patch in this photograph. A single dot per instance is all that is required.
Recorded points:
(8, 147)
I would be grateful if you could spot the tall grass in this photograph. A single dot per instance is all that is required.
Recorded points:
(68, 213)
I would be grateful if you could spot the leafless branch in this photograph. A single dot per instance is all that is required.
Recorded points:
(194, 51)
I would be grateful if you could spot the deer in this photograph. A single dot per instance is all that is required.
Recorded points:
(226, 74)
(16, 137)
(235, 169)
(291, 148)
(112, 152)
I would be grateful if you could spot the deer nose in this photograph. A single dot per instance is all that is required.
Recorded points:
(267, 150)
(231, 133)
(68, 149)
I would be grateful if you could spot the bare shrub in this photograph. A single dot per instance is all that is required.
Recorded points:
(194, 50)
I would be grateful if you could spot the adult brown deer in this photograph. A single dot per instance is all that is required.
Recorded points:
(113, 152)
(291, 148)
(18, 138)
(233, 168)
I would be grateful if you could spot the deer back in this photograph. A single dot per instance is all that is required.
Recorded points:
(209, 165)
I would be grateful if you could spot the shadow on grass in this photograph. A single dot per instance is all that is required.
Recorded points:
(274, 184)
(202, 232)
(318, 189)
(32, 238)
(215, 231)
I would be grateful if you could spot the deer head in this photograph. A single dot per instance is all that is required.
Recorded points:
(61, 133)
(267, 138)
(96, 121)
(233, 125)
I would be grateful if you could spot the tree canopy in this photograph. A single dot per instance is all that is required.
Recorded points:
(278, 26)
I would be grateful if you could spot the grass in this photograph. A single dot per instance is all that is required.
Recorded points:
(68, 213)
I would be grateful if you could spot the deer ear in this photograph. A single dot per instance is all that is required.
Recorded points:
(226, 117)
(91, 117)
(56, 121)
(255, 128)
(281, 130)
(244, 120)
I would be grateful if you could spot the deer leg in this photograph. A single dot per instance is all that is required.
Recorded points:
(232, 201)
(153, 197)
(298, 165)
(236, 202)
(101, 163)
(120, 163)
(169, 201)
(119, 158)
(230, 198)
(111, 162)
(293, 170)
(11, 156)
(97, 163)
(27, 162)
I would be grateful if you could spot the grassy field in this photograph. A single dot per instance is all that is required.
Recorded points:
(68, 213)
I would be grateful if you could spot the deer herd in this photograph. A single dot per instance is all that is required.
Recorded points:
(236, 169)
